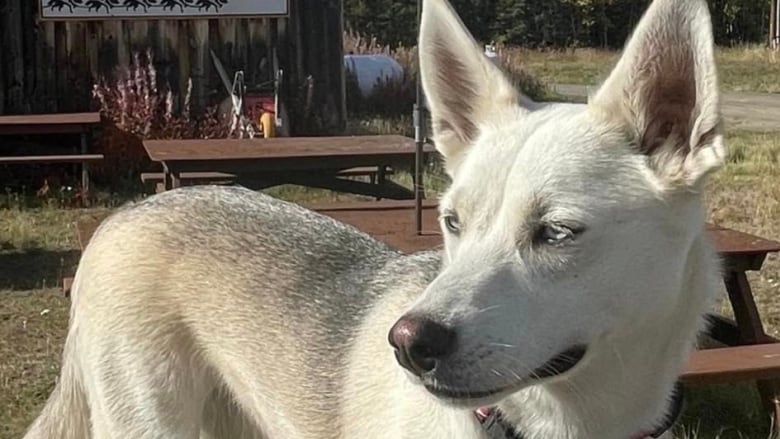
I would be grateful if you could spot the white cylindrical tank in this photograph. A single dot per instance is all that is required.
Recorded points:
(368, 69)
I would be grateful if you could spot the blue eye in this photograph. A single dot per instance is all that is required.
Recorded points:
(451, 223)
(554, 234)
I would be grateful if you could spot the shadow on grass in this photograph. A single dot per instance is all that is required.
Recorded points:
(35, 268)
(723, 411)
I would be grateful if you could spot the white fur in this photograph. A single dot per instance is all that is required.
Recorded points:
(628, 168)
(221, 313)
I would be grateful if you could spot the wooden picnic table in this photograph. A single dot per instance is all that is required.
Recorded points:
(393, 223)
(82, 124)
(305, 161)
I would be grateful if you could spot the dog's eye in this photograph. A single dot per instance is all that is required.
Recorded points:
(554, 234)
(452, 223)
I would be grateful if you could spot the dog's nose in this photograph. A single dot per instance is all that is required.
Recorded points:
(420, 343)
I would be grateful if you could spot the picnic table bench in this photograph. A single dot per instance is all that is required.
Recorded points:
(750, 354)
(374, 173)
(320, 162)
(82, 124)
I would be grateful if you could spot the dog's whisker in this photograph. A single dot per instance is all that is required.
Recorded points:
(501, 345)
(486, 309)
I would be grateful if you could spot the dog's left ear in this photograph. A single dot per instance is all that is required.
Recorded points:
(664, 90)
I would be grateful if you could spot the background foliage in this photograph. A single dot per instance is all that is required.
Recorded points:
(550, 23)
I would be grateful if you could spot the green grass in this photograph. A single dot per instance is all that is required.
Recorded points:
(742, 69)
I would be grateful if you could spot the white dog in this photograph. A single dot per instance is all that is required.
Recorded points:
(574, 276)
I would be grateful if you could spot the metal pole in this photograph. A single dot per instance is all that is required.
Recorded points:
(777, 25)
(419, 137)
(773, 20)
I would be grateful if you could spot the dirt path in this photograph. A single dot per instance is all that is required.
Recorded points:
(748, 111)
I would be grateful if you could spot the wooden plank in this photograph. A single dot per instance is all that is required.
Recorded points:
(71, 158)
(279, 147)
(159, 176)
(49, 123)
(67, 285)
(108, 48)
(199, 63)
(52, 119)
(742, 242)
(47, 70)
(185, 64)
(28, 55)
(11, 25)
(374, 207)
(3, 62)
(733, 364)
(388, 190)
(213, 176)
(93, 35)
(364, 170)
(61, 61)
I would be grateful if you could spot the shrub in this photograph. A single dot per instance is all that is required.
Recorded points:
(136, 108)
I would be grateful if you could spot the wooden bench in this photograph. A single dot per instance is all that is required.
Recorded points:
(733, 364)
(303, 161)
(82, 124)
(191, 178)
(31, 159)
(187, 178)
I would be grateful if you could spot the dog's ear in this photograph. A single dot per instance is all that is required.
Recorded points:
(464, 90)
(664, 90)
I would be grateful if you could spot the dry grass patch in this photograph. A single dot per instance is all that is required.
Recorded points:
(741, 69)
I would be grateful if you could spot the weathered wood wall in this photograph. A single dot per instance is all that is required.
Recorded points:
(50, 66)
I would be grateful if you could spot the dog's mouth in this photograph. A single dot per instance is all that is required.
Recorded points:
(555, 366)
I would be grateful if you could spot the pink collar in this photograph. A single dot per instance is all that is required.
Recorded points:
(497, 429)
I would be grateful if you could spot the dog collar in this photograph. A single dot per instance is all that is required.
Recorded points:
(497, 428)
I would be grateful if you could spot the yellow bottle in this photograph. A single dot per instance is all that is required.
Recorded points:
(267, 122)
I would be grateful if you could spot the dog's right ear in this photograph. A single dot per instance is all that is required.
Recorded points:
(464, 90)
(664, 90)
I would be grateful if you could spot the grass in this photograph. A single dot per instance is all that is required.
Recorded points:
(741, 69)
(745, 195)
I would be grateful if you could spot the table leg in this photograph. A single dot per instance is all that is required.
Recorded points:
(380, 177)
(752, 332)
(745, 311)
(167, 179)
(175, 180)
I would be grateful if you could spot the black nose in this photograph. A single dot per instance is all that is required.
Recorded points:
(420, 343)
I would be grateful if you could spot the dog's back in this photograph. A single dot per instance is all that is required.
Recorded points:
(206, 294)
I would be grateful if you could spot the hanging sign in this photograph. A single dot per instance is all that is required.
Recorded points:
(159, 9)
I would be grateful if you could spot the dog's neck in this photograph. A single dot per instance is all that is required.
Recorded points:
(627, 385)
